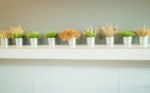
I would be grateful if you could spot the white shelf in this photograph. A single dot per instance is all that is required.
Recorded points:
(84, 52)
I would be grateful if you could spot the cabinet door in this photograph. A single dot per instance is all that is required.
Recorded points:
(77, 77)
(135, 77)
(15, 77)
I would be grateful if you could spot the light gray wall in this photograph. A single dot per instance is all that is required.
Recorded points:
(57, 15)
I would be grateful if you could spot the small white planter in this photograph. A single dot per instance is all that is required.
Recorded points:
(51, 42)
(19, 42)
(34, 42)
(143, 41)
(4, 42)
(110, 41)
(91, 41)
(72, 42)
(127, 41)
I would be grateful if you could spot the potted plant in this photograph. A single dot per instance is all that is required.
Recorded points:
(127, 38)
(51, 38)
(34, 36)
(143, 34)
(70, 35)
(4, 36)
(90, 34)
(18, 35)
(109, 32)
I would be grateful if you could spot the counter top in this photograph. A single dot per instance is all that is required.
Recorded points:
(81, 52)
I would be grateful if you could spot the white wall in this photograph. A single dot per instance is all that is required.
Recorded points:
(68, 76)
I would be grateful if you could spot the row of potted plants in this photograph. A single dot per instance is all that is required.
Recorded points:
(70, 35)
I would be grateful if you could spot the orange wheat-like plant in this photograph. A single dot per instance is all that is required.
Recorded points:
(69, 34)
(5, 34)
(142, 32)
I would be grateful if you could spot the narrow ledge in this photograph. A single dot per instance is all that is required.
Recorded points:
(82, 52)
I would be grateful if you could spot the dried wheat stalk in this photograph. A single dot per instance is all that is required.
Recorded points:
(5, 34)
(109, 30)
(17, 30)
(142, 32)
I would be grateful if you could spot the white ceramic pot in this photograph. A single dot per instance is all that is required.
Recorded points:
(4, 42)
(110, 41)
(143, 41)
(91, 41)
(34, 42)
(127, 41)
(19, 42)
(72, 42)
(51, 42)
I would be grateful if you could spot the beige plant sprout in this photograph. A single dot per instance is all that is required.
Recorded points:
(142, 32)
(5, 34)
(109, 30)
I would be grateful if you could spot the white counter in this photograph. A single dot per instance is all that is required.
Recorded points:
(101, 52)
(90, 70)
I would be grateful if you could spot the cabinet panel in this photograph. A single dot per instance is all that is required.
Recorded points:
(135, 77)
(76, 79)
(16, 78)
